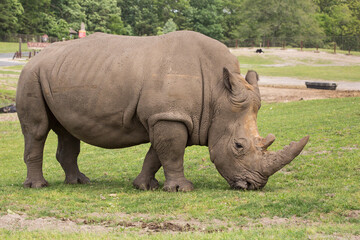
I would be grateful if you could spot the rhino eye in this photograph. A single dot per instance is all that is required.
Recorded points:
(238, 146)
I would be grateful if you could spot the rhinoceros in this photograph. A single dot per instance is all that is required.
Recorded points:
(175, 90)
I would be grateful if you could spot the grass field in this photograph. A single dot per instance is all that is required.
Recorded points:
(334, 73)
(8, 82)
(12, 47)
(270, 64)
(317, 196)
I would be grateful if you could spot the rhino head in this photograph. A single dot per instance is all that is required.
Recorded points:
(236, 148)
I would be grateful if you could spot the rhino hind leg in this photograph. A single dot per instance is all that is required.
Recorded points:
(33, 157)
(169, 141)
(146, 179)
(67, 153)
(34, 120)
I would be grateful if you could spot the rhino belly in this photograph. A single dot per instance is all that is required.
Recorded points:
(100, 115)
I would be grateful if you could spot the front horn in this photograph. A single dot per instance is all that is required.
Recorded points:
(274, 161)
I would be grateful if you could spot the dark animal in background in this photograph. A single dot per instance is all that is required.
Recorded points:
(8, 109)
(259, 50)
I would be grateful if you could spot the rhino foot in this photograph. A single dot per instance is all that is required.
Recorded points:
(78, 178)
(38, 183)
(144, 183)
(182, 185)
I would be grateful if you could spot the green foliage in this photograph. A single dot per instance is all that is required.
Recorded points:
(141, 16)
(279, 19)
(170, 26)
(219, 19)
(100, 14)
(36, 16)
(206, 17)
(10, 10)
(339, 17)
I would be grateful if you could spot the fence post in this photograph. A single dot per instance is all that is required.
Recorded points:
(237, 43)
(301, 45)
(317, 48)
(334, 47)
(20, 47)
(268, 43)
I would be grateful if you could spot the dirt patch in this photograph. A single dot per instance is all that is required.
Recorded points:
(21, 222)
(283, 94)
(8, 117)
(14, 222)
(281, 221)
(353, 214)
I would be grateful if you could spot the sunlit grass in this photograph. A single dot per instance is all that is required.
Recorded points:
(321, 185)
(329, 73)
(12, 47)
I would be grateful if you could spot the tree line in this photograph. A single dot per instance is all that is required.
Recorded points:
(219, 19)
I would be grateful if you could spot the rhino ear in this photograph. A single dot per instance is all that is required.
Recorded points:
(234, 86)
(229, 80)
(252, 77)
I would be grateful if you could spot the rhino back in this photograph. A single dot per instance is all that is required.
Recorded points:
(104, 89)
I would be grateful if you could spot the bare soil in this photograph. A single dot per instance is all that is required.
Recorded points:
(16, 221)
(144, 224)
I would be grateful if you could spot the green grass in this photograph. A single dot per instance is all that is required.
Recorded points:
(330, 50)
(259, 59)
(11, 47)
(7, 96)
(333, 73)
(302, 68)
(8, 84)
(320, 188)
(9, 72)
(17, 67)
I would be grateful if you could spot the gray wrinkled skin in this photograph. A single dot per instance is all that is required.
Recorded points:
(175, 90)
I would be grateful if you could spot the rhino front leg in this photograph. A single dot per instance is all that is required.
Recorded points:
(67, 152)
(146, 179)
(170, 139)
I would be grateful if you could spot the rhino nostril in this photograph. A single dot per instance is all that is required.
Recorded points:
(240, 185)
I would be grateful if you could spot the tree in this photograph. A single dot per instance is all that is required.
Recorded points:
(178, 10)
(206, 17)
(170, 26)
(232, 12)
(35, 17)
(69, 10)
(141, 15)
(279, 18)
(10, 10)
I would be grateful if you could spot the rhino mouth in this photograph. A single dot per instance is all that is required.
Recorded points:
(242, 184)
